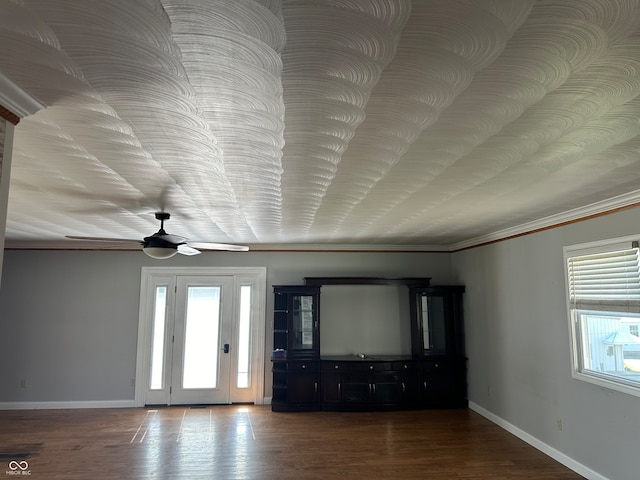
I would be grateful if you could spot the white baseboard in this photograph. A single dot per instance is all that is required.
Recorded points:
(267, 401)
(534, 442)
(72, 404)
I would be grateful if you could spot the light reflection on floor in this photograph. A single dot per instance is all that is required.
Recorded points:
(197, 438)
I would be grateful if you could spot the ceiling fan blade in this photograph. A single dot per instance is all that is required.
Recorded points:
(177, 239)
(219, 246)
(105, 239)
(187, 250)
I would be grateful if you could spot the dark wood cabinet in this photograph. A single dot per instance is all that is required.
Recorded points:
(296, 344)
(369, 384)
(435, 379)
(296, 385)
(434, 376)
(303, 382)
(296, 311)
(437, 337)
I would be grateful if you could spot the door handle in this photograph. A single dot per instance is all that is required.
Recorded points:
(226, 348)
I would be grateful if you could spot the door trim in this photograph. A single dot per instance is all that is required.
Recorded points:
(256, 276)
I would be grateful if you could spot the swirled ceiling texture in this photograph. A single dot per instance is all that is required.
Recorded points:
(379, 122)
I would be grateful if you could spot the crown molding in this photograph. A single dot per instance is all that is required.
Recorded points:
(611, 205)
(271, 247)
(328, 247)
(16, 100)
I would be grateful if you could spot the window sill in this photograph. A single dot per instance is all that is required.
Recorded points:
(605, 381)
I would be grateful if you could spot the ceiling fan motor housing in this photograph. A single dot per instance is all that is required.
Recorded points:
(157, 241)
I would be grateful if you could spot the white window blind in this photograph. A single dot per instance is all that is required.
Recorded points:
(605, 281)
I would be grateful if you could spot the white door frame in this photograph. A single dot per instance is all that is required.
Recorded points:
(254, 276)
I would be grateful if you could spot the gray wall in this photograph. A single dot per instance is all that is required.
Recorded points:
(517, 338)
(69, 319)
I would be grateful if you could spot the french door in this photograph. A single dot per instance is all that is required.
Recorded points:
(198, 339)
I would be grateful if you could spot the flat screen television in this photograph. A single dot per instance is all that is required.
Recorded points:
(364, 319)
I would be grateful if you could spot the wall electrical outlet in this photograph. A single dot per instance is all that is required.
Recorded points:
(133, 382)
(23, 383)
(559, 424)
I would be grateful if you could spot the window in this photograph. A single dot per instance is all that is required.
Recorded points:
(603, 285)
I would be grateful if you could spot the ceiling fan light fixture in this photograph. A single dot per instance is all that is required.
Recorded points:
(160, 253)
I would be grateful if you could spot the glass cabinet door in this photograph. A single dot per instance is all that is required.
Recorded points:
(432, 312)
(303, 324)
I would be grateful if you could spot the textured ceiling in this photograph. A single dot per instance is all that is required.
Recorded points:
(380, 122)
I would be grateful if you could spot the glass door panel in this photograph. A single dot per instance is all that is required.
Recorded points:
(303, 323)
(157, 381)
(424, 310)
(243, 379)
(356, 388)
(433, 324)
(157, 378)
(387, 387)
(202, 336)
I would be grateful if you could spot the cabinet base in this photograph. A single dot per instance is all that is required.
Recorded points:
(341, 407)
(293, 407)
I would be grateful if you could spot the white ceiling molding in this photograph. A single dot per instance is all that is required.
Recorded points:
(347, 248)
(16, 100)
(577, 214)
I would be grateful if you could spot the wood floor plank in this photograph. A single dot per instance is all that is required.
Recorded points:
(251, 442)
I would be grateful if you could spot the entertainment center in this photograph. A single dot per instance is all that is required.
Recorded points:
(388, 344)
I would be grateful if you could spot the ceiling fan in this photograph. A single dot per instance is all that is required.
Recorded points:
(162, 245)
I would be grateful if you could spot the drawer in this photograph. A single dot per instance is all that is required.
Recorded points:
(302, 366)
(365, 366)
(435, 366)
(403, 366)
(328, 366)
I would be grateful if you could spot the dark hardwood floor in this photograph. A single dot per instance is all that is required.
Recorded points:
(251, 442)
